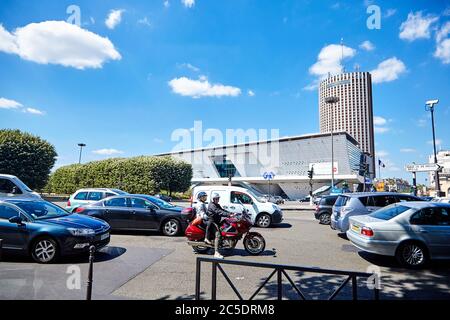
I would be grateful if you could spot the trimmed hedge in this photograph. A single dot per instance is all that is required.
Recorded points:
(147, 175)
(26, 156)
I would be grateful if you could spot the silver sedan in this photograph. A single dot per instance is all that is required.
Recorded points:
(413, 232)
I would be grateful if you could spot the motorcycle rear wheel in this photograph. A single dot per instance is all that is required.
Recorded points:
(254, 245)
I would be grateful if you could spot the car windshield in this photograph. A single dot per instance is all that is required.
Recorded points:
(259, 198)
(389, 212)
(161, 203)
(40, 210)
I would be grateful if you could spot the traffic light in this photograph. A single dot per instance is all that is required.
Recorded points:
(311, 173)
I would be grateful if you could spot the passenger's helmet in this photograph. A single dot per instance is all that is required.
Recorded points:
(201, 194)
(215, 195)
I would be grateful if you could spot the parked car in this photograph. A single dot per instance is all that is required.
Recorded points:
(362, 203)
(11, 187)
(164, 197)
(273, 199)
(426, 198)
(83, 197)
(45, 231)
(324, 209)
(233, 199)
(441, 200)
(137, 212)
(413, 232)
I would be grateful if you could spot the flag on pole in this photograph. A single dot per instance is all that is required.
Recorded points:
(381, 164)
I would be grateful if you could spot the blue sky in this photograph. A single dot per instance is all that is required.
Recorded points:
(135, 71)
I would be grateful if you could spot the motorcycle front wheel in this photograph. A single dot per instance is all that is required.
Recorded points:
(254, 245)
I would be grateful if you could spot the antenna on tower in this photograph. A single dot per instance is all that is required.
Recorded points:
(342, 55)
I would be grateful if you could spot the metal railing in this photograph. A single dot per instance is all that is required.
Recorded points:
(280, 271)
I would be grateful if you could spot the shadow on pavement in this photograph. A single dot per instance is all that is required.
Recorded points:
(105, 254)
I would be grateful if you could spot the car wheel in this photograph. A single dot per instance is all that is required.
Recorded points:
(44, 250)
(171, 227)
(263, 220)
(412, 254)
(325, 218)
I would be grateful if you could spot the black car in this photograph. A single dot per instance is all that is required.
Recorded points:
(324, 209)
(163, 197)
(45, 231)
(138, 212)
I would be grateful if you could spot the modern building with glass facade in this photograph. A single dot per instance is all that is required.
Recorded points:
(288, 158)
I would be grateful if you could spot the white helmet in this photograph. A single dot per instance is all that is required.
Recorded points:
(215, 195)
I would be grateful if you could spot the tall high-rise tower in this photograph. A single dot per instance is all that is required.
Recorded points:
(354, 112)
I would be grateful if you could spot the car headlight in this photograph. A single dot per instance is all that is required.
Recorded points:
(81, 232)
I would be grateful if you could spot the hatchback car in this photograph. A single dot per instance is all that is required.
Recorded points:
(46, 231)
(362, 203)
(324, 209)
(138, 212)
(86, 196)
(413, 232)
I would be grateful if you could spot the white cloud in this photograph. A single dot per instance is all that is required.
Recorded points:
(145, 21)
(33, 111)
(329, 60)
(166, 4)
(379, 121)
(443, 44)
(9, 104)
(367, 45)
(381, 129)
(189, 66)
(388, 70)
(438, 142)
(422, 122)
(408, 150)
(58, 42)
(107, 152)
(14, 105)
(201, 88)
(390, 13)
(251, 93)
(114, 18)
(188, 3)
(416, 26)
(382, 153)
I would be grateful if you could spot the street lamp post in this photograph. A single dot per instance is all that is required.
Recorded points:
(331, 101)
(429, 106)
(81, 145)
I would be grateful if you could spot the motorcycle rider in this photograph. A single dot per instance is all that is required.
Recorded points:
(215, 214)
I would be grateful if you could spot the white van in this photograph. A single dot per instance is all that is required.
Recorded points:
(11, 186)
(232, 199)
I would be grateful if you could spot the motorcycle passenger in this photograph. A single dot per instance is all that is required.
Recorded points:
(201, 209)
(215, 214)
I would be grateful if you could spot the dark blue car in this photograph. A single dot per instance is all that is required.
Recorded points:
(46, 231)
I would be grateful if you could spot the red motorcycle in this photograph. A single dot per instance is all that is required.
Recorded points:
(232, 229)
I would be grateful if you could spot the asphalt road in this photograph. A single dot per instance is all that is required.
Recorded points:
(151, 266)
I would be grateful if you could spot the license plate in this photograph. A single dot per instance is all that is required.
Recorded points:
(357, 229)
(104, 236)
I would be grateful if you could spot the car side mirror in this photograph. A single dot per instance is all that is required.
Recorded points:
(17, 220)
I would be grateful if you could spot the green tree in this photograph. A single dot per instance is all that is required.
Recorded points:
(26, 156)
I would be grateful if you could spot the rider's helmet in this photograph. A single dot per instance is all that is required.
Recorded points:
(215, 195)
(201, 194)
